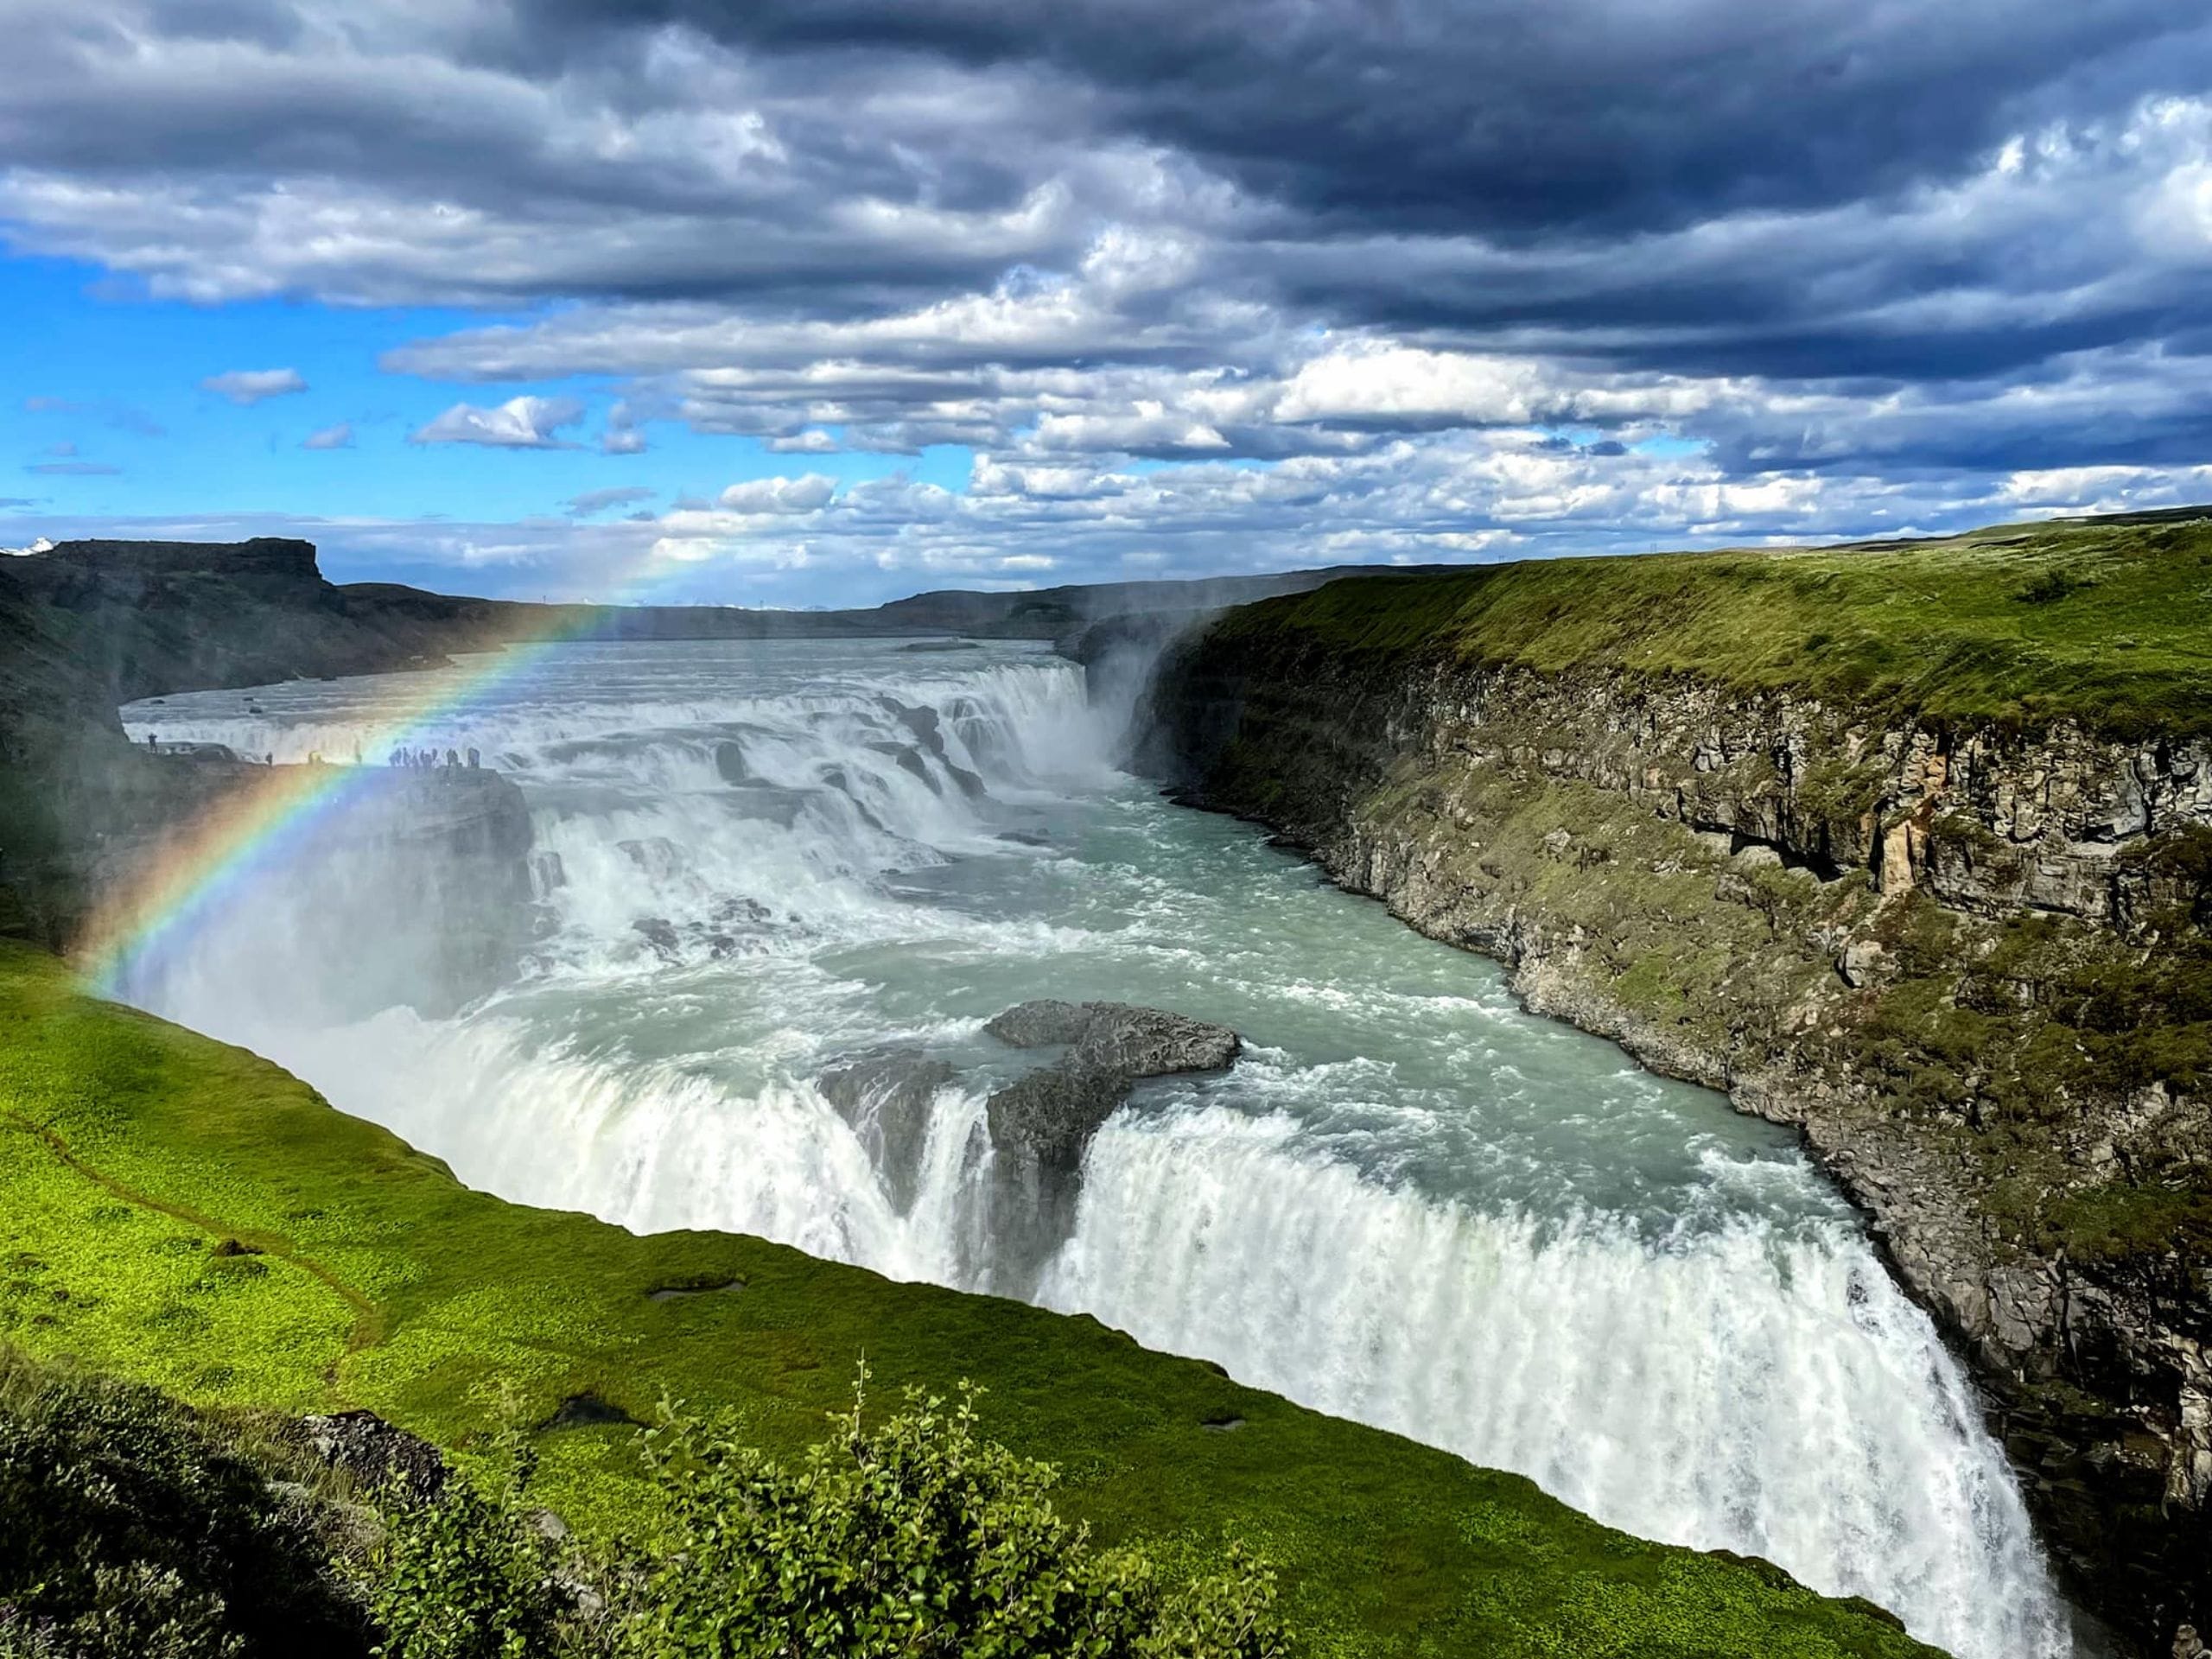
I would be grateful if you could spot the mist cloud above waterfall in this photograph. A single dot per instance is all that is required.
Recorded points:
(1453, 280)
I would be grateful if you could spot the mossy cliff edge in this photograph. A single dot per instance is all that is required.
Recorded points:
(183, 1213)
(1910, 845)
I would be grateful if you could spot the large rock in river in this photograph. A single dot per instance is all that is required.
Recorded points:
(1118, 1037)
(1041, 1124)
(1051, 1115)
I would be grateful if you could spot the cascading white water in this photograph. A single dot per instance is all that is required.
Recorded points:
(1411, 1203)
(1762, 1389)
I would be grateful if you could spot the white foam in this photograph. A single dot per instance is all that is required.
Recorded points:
(1772, 1394)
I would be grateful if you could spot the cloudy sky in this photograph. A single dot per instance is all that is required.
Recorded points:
(810, 301)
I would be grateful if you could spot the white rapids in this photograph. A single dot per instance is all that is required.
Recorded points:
(1411, 1203)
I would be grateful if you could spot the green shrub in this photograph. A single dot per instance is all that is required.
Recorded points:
(918, 1537)
(2050, 586)
(466, 1575)
(132, 1528)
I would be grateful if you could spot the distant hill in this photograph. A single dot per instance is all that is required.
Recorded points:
(97, 623)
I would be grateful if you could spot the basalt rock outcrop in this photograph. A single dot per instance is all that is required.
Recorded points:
(1117, 1039)
(1041, 1124)
(887, 1097)
(1968, 960)
(381, 1459)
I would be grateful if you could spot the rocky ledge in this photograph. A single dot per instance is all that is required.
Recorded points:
(1970, 962)
(1039, 1126)
(1042, 1123)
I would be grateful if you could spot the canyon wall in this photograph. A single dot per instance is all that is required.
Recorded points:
(432, 864)
(1967, 960)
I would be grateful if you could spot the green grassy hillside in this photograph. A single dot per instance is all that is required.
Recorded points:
(184, 1213)
(2108, 622)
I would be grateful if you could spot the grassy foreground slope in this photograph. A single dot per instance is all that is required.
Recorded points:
(182, 1212)
(2105, 621)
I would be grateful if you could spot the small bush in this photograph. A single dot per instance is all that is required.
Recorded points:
(918, 1537)
(466, 1575)
(133, 1527)
(2047, 587)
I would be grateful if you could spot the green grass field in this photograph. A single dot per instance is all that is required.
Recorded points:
(2104, 622)
(182, 1212)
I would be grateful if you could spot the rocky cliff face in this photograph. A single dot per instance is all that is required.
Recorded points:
(101, 623)
(1969, 963)
(89, 624)
(415, 890)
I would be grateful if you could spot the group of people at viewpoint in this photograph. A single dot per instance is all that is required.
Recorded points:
(427, 761)
(408, 760)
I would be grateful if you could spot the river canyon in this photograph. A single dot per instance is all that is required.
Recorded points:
(1410, 1201)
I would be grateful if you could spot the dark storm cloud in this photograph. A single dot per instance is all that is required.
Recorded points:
(1518, 118)
(841, 159)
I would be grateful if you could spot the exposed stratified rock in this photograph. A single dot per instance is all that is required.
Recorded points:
(887, 1098)
(730, 762)
(1040, 1024)
(928, 727)
(1859, 961)
(1894, 935)
(1051, 1115)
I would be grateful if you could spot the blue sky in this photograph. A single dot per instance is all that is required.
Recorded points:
(715, 303)
(114, 421)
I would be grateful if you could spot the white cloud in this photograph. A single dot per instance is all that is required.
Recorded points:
(2107, 489)
(339, 436)
(622, 436)
(523, 423)
(808, 494)
(1394, 384)
(880, 252)
(245, 387)
(812, 441)
(1444, 497)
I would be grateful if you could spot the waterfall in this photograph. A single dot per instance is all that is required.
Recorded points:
(1748, 1387)
(1411, 1203)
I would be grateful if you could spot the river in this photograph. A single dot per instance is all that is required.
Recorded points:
(1410, 1203)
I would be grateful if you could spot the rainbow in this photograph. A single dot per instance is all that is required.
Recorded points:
(207, 862)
